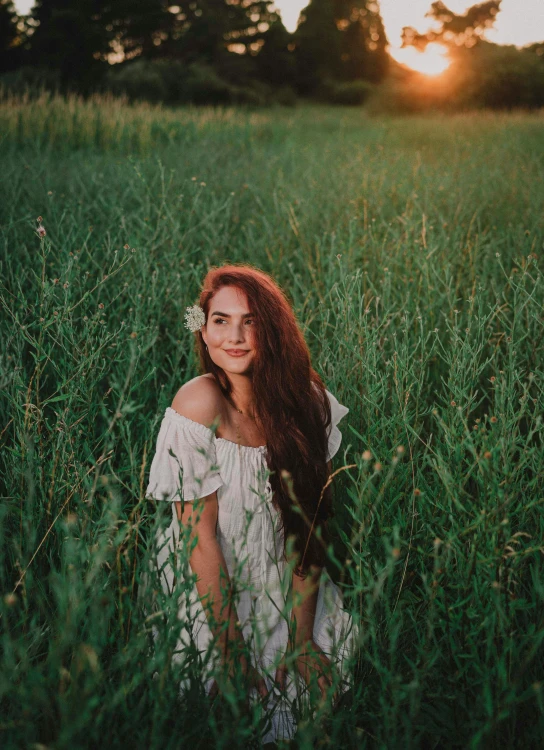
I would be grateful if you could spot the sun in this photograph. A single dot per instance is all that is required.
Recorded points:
(432, 62)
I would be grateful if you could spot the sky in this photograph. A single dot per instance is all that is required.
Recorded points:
(519, 21)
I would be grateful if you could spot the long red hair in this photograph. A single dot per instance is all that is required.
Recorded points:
(291, 405)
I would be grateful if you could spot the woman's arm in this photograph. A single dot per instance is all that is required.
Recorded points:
(208, 563)
(305, 591)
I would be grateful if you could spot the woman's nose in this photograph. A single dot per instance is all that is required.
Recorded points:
(236, 333)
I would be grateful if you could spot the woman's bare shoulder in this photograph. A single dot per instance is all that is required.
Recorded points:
(200, 399)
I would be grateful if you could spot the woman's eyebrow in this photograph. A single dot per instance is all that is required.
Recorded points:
(226, 315)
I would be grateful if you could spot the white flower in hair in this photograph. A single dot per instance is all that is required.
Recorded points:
(195, 318)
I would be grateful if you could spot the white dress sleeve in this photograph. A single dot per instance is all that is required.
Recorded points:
(184, 465)
(338, 411)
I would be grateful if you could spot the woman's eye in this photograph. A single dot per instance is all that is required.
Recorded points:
(249, 321)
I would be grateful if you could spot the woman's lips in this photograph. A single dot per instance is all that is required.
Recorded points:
(236, 352)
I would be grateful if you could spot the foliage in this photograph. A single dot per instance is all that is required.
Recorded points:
(411, 250)
(240, 49)
(172, 82)
(351, 93)
(455, 29)
(8, 35)
(31, 80)
(342, 40)
(485, 75)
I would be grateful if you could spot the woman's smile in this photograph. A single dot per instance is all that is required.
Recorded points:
(236, 352)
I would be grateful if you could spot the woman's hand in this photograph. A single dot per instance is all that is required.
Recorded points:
(312, 660)
(254, 678)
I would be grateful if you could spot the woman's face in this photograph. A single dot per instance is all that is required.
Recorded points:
(229, 331)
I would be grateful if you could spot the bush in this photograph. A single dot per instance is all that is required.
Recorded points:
(173, 82)
(31, 81)
(485, 76)
(138, 80)
(351, 93)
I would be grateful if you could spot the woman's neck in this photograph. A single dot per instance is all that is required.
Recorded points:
(242, 393)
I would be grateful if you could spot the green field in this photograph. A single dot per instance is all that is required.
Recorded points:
(411, 249)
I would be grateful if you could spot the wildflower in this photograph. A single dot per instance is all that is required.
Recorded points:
(377, 466)
(492, 378)
(453, 403)
(367, 455)
(417, 492)
(66, 285)
(487, 455)
(395, 552)
(497, 255)
(493, 419)
(55, 281)
(100, 305)
(202, 184)
(456, 312)
(10, 600)
(126, 247)
(194, 318)
(400, 449)
(40, 229)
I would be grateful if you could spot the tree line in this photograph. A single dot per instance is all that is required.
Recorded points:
(239, 51)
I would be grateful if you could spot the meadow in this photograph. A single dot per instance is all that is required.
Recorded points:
(411, 249)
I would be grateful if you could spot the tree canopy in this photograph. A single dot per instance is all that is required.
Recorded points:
(240, 51)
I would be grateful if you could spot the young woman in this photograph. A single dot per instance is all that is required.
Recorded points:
(244, 455)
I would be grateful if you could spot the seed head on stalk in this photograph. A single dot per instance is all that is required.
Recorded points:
(40, 231)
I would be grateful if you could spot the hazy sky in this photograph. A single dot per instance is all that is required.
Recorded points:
(519, 22)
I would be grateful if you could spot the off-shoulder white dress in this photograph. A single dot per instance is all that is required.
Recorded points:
(190, 463)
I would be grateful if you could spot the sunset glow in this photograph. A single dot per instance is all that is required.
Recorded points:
(432, 62)
(519, 22)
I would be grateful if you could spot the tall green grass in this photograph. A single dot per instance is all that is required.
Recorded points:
(411, 251)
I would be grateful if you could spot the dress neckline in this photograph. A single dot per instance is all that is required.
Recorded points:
(206, 430)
